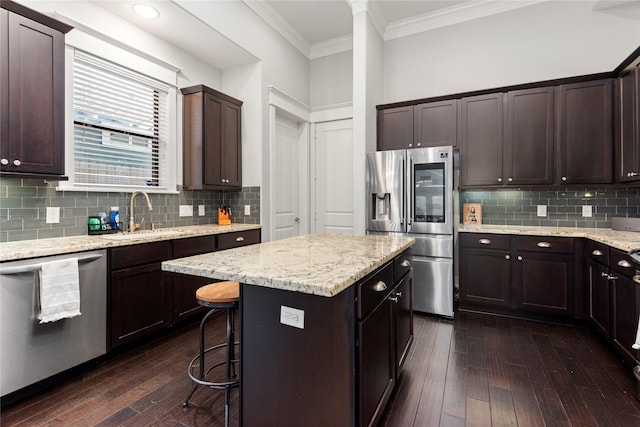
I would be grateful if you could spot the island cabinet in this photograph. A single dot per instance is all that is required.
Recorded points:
(508, 138)
(212, 140)
(31, 94)
(525, 275)
(627, 98)
(395, 128)
(585, 132)
(325, 361)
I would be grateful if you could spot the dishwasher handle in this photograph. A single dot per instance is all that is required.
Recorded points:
(35, 267)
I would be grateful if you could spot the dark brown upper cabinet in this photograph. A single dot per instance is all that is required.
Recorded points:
(395, 128)
(212, 140)
(585, 132)
(627, 98)
(481, 140)
(436, 124)
(507, 139)
(31, 94)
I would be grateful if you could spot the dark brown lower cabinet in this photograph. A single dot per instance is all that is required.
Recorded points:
(626, 308)
(403, 320)
(519, 274)
(543, 282)
(599, 299)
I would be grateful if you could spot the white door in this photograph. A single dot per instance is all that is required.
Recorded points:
(285, 188)
(332, 195)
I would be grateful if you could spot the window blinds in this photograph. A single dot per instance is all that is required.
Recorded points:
(120, 125)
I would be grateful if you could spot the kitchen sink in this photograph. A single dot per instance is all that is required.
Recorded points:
(142, 235)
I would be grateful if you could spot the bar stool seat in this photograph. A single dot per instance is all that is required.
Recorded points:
(220, 296)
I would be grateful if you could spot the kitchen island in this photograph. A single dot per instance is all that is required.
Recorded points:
(326, 322)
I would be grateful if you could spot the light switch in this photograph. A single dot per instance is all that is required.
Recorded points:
(542, 210)
(247, 210)
(201, 210)
(53, 215)
(587, 211)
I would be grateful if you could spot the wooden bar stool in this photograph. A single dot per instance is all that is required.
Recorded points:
(217, 296)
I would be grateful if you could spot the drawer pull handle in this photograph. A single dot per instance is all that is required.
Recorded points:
(543, 244)
(405, 263)
(380, 286)
(240, 239)
(394, 299)
(624, 263)
(484, 241)
(636, 278)
(596, 252)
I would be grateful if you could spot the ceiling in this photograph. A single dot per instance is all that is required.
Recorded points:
(315, 27)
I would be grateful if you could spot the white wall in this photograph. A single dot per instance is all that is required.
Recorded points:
(331, 79)
(550, 40)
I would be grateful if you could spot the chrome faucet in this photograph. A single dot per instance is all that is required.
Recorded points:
(132, 222)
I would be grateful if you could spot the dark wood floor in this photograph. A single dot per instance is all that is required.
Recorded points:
(477, 370)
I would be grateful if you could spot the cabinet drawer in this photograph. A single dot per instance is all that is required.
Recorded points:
(486, 241)
(374, 289)
(622, 263)
(561, 245)
(193, 246)
(597, 252)
(147, 253)
(237, 239)
(402, 265)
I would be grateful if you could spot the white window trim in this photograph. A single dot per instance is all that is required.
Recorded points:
(129, 59)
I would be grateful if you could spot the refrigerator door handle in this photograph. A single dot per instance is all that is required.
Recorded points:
(409, 193)
(404, 192)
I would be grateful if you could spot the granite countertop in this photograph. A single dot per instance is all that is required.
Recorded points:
(622, 240)
(10, 251)
(319, 264)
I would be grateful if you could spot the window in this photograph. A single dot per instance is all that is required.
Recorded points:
(119, 126)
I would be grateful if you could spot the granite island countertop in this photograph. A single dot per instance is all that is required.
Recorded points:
(318, 264)
(622, 240)
(10, 251)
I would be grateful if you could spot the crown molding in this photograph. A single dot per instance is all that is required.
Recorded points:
(453, 15)
(278, 23)
(331, 47)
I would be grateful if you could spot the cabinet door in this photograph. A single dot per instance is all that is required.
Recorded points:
(626, 308)
(377, 362)
(436, 124)
(599, 299)
(529, 137)
(543, 282)
(35, 102)
(628, 129)
(485, 277)
(395, 128)
(212, 144)
(4, 85)
(139, 303)
(404, 320)
(585, 132)
(481, 140)
(231, 146)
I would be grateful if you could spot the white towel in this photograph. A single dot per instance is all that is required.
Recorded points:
(59, 290)
(636, 345)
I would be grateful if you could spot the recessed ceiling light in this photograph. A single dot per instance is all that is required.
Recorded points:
(145, 11)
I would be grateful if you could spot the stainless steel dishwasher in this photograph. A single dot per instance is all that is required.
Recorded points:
(30, 351)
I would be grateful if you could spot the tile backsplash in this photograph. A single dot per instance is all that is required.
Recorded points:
(564, 206)
(23, 204)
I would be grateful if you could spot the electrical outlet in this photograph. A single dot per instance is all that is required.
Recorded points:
(186, 210)
(201, 210)
(542, 210)
(247, 210)
(53, 215)
(292, 317)
(587, 211)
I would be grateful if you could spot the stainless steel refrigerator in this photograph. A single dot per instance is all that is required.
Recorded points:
(412, 192)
